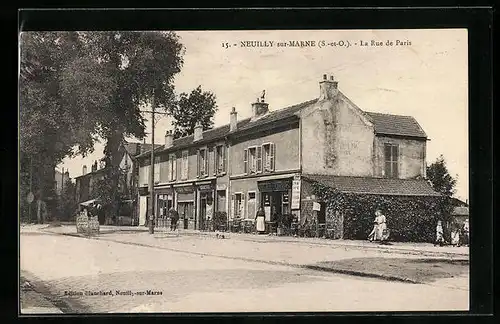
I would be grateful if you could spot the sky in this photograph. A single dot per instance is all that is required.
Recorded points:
(426, 78)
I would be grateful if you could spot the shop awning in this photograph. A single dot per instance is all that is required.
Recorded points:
(375, 186)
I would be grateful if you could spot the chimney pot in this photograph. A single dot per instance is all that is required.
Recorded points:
(198, 131)
(328, 88)
(84, 170)
(169, 139)
(233, 120)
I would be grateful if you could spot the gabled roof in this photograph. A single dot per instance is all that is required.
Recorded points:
(384, 124)
(387, 124)
(375, 186)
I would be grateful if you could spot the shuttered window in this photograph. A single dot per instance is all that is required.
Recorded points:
(245, 161)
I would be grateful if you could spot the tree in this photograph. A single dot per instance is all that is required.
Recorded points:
(81, 86)
(442, 182)
(440, 178)
(67, 201)
(196, 106)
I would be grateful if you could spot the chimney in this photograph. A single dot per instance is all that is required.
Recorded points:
(260, 107)
(169, 139)
(84, 170)
(328, 88)
(198, 132)
(233, 120)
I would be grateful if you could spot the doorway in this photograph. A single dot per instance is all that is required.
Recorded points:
(186, 213)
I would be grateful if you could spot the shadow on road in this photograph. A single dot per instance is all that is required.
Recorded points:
(424, 270)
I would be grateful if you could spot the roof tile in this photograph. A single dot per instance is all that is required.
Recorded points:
(396, 125)
(378, 186)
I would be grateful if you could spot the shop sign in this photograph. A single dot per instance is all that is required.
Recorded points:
(205, 187)
(275, 185)
(295, 194)
(188, 189)
(316, 206)
(143, 191)
(221, 186)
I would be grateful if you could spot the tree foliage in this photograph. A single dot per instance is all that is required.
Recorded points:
(77, 87)
(197, 106)
(440, 178)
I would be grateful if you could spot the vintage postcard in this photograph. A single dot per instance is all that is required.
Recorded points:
(244, 171)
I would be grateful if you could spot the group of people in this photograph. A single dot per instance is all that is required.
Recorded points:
(459, 234)
(380, 232)
(173, 215)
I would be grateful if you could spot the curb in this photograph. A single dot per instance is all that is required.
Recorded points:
(360, 274)
(65, 306)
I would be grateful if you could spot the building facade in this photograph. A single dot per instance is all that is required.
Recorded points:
(263, 161)
(128, 186)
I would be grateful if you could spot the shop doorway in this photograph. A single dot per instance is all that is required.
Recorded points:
(275, 204)
(186, 213)
(206, 209)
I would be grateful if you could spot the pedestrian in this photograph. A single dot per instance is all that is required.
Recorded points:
(465, 231)
(439, 234)
(455, 235)
(174, 218)
(260, 221)
(382, 232)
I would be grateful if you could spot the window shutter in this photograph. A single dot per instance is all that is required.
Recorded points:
(259, 158)
(215, 160)
(272, 158)
(245, 161)
(198, 163)
(233, 205)
(174, 164)
(224, 158)
(243, 206)
(206, 162)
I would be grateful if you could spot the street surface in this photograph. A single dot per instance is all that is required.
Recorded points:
(180, 274)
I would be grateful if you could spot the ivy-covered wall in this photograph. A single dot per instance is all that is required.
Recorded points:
(409, 218)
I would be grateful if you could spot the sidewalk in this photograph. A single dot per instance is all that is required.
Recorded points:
(423, 249)
(34, 302)
(416, 262)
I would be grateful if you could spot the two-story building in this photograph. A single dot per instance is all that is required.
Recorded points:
(128, 186)
(266, 160)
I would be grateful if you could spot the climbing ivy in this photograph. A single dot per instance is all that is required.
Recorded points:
(409, 218)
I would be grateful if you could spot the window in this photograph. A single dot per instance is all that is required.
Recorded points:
(391, 154)
(268, 150)
(238, 203)
(157, 169)
(202, 162)
(220, 159)
(245, 161)
(185, 165)
(252, 159)
(172, 163)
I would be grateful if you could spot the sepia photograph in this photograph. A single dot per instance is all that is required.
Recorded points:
(221, 171)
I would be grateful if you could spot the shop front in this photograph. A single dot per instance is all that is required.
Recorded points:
(164, 201)
(275, 200)
(206, 204)
(185, 200)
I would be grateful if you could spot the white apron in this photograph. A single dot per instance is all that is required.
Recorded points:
(261, 227)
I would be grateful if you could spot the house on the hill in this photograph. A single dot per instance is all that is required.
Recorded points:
(280, 159)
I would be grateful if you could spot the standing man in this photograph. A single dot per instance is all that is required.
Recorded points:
(174, 218)
(41, 210)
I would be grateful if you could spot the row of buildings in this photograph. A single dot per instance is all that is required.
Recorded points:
(270, 159)
(267, 159)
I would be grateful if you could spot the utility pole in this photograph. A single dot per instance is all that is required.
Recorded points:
(31, 188)
(152, 170)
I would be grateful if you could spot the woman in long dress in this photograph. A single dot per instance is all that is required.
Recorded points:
(439, 234)
(260, 221)
(381, 226)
